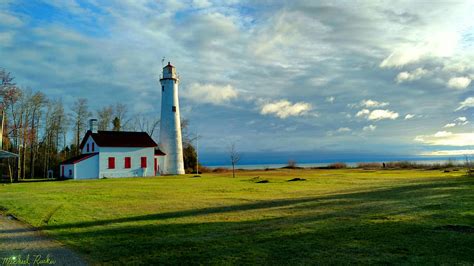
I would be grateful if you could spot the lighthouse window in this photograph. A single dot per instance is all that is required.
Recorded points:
(174, 109)
(162, 88)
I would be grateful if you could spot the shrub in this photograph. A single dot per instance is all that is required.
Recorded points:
(338, 165)
(369, 165)
(291, 163)
(403, 165)
(204, 169)
(220, 170)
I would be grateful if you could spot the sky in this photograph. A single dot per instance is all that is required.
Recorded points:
(311, 81)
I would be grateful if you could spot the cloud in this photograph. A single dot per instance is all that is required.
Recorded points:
(459, 82)
(6, 38)
(450, 125)
(330, 99)
(210, 93)
(363, 113)
(410, 76)
(10, 20)
(448, 153)
(468, 103)
(369, 128)
(446, 138)
(441, 134)
(461, 121)
(402, 57)
(382, 114)
(377, 114)
(285, 108)
(440, 45)
(409, 116)
(373, 104)
(343, 129)
(201, 3)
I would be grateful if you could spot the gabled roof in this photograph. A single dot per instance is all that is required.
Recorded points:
(7, 154)
(120, 139)
(79, 158)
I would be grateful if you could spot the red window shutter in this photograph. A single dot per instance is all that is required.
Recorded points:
(87, 147)
(62, 171)
(111, 162)
(156, 165)
(128, 162)
(93, 146)
(143, 162)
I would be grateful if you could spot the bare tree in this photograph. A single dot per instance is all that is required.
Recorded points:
(105, 116)
(234, 157)
(38, 100)
(147, 124)
(291, 163)
(6, 81)
(80, 114)
(468, 163)
(54, 135)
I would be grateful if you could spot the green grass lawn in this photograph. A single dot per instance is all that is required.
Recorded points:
(335, 216)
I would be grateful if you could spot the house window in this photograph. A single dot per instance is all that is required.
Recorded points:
(174, 109)
(70, 172)
(93, 146)
(87, 147)
(128, 162)
(143, 162)
(111, 162)
(162, 88)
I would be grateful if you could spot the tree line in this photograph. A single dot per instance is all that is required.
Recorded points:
(38, 129)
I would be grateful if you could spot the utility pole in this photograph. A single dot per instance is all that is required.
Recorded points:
(197, 153)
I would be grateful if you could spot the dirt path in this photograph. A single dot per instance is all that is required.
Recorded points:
(21, 244)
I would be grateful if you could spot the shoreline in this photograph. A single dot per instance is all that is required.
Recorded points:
(258, 166)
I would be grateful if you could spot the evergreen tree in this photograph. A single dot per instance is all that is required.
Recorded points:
(116, 124)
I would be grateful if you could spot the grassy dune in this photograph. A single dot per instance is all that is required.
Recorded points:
(335, 216)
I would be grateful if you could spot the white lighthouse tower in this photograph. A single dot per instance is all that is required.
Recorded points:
(170, 127)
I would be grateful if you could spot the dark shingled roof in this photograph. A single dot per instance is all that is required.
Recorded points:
(79, 158)
(159, 152)
(120, 139)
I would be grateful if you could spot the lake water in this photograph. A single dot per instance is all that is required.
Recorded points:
(350, 164)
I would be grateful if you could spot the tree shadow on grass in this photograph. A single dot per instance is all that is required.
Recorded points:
(361, 227)
(399, 194)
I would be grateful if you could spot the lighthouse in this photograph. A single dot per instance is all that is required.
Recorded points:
(170, 127)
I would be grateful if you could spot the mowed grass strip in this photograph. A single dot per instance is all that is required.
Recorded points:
(333, 216)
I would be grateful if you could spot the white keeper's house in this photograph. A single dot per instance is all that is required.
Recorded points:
(107, 154)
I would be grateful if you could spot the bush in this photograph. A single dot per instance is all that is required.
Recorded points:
(220, 170)
(204, 169)
(338, 165)
(291, 165)
(369, 165)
